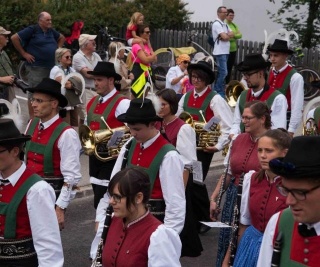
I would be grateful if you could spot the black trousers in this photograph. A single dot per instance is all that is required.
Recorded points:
(30, 262)
(230, 64)
(200, 198)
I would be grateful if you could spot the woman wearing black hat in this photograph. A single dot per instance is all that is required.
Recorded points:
(202, 103)
(300, 223)
(241, 159)
(29, 231)
(288, 81)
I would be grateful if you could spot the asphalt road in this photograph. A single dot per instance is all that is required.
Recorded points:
(79, 232)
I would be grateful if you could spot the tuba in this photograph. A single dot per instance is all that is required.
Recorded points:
(233, 91)
(204, 138)
(104, 144)
(310, 126)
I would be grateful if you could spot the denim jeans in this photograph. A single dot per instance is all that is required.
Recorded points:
(219, 85)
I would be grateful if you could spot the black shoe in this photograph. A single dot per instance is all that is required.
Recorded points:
(203, 229)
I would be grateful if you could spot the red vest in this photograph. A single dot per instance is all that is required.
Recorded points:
(265, 200)
(96, 124)
(35, 161)
(172, 129)
(145, 157)
(23, 229)
(197, 103)
(275, 82)
(264, 97)
(128, 247)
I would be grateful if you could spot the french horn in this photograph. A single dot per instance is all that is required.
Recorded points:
(98, 142)
(233, 91)
(310, 126)
(204, 138)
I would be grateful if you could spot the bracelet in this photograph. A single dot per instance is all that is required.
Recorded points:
(212, 200)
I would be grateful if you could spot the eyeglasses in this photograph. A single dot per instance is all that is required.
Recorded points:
(186, 62)
(296, 193)
(248, 74)
(246, 118)
(117, 198)
(68, 57)
(39, 101)
(147, 32)
(1, 151)
(196, 78)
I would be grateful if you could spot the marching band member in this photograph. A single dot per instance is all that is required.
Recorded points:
(183, 137)
(299, 224)
(243, 158)
(109, 103)
(253, 70)
(29, 231)
(203, 99)
(53, 151)
(151, 151)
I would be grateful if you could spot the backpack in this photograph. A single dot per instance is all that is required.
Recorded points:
(210, 40)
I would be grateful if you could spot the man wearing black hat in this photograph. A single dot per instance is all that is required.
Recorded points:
(253, 70)
(109, 103)
(53, 151)
(151, 151)
(203, 104)
(288, 81)
(299, 225)
(29, 232)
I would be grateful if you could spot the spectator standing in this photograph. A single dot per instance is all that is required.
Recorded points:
(86, 59)
(6, 71)
(288, 81)
(37, 45)
(53, 151)
(29, 231)
(221, 35)
(233, 42)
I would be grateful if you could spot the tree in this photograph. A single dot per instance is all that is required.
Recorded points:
(302, 16)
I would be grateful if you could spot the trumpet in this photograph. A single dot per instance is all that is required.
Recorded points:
(97, 142)
(204, 138)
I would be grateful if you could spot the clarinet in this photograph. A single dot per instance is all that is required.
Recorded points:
(97, 262)
(236, 222)
(276, 255)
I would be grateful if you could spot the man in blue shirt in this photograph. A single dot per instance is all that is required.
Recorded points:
(37, 45)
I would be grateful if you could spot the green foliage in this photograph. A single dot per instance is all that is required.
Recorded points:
(305, 21)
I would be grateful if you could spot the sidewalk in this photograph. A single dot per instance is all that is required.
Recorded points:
(85, 186)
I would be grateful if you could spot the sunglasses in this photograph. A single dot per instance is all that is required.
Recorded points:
(186, 62)
(68, 57)
(147, 32)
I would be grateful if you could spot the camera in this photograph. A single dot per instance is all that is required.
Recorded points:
(21, 84)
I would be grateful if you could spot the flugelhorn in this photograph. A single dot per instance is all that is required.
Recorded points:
(97, 142)
(204, 138)
(310, 125)
(233, 91)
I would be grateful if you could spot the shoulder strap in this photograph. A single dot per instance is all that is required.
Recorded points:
(284, 88)
(271, 98)
(11, 212)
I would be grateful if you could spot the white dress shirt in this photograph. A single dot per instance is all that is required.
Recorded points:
(297, 98)
(171, 179)
(43, 221)
(222, 111)
(173, 73)
(266, 249)
(69, 147)
(278, 113)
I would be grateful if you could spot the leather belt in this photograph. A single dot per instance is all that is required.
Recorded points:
(16, 249)
(91, 89)
(157, 206)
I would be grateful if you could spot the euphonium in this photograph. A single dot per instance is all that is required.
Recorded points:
(204, 138)
(233, 91)
(96, 142)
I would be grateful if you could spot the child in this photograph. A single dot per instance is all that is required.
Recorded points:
(131, 34)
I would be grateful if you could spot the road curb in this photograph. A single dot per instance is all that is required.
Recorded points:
(86, 190)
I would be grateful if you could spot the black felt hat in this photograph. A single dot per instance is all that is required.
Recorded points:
(280, 46)
(253, 62)
(302, 159)
(140, 111)
(202, 65)
(9, 133)
(107, 69)
(50, 87)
